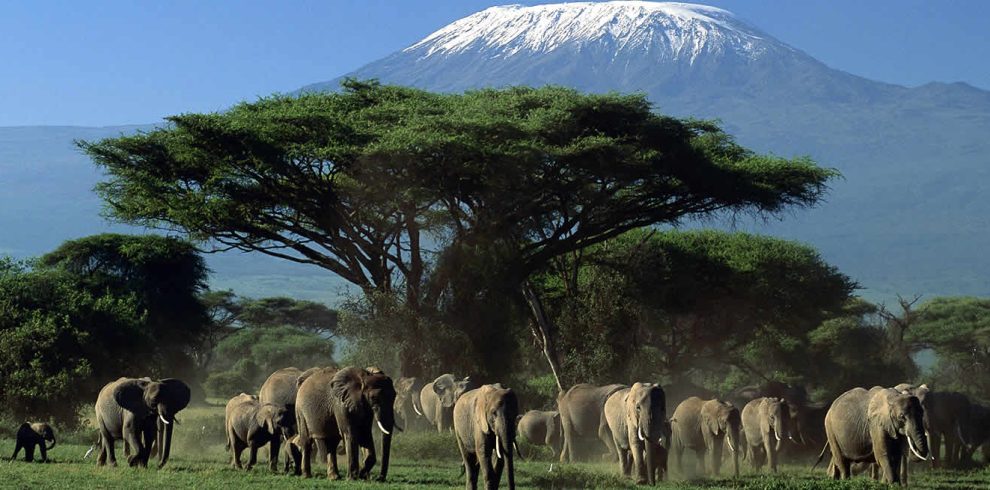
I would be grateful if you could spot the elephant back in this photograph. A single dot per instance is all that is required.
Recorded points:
(280, 387)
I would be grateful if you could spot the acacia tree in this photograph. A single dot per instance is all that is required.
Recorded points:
(354, 181)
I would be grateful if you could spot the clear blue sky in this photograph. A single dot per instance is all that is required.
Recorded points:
(118, 62)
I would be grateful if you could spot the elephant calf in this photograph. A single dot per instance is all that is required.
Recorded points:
(485, 422)
(437, 399)
(31, 435)
(251, 424)
(765, 423)
(541, 427)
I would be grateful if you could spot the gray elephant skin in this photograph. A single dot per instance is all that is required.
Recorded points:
(978, 434)
(635, 418)
(705, 426)
(280, 389)
(408, 407)
(542, 428)
(250, 424)
(437, 399)
(31, 435)
(766, 424)
(485, 425)
(344, 406)
(872, 426)
(141, 412)
(582, 417)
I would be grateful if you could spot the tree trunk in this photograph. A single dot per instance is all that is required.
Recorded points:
(543, 331)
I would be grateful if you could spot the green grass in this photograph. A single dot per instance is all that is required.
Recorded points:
(420, 460)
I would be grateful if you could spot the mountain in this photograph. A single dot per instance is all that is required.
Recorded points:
(908, 217)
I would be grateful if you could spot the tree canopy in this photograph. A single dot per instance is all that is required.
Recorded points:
(396, 189)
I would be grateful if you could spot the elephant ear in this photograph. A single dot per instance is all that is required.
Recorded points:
(130, 396)
(880, 414)
(174, 393)
(710, 423)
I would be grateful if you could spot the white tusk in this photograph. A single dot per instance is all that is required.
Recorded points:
(729, 440)
(551, 468)
(775, 434)
(660, 439)
(166, 422)
(382, 427)
(915, 451)
(639, 432)
(498, 452)
(417, 410)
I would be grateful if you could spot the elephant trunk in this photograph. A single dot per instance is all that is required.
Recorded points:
(49, 448)
(778, 429)
(504, 441)
(386, 423)
(917, 441)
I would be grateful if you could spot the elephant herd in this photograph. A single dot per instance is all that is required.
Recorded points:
(325, 411)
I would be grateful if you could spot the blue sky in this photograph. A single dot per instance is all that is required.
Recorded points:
(121, 62)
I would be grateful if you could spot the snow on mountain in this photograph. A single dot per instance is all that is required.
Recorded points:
(662, 31)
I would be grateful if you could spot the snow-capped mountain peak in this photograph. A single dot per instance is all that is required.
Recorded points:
(664, 31)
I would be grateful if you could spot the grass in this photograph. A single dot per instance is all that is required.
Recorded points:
(420, 460)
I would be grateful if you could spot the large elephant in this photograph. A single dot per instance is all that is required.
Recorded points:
(946, 418)
(704, 426)
(332, 406)
(139, 411)
(408, 408)
(31, 435)
(280, 390)
(437, 399)
(541, 427)
(250, 424)
(766, 424)
(582, 418)
(635, 418)
(485, 422)
(872, 426)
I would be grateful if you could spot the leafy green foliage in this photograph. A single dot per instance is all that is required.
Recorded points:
(91, 311)
(958, 330)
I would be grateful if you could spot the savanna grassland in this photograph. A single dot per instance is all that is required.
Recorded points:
(420, 460)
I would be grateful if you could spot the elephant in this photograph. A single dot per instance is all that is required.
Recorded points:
(437, 399)
(280, 389)
(872, 425)
(30, 435)
(946, 417)
(766, 424)
(978, 433)
(582, 418)
(485, 421)
(408, 407)
(139, 410)
(251, 424)
(635, 418)
(704, 426)
(343, 405)
(541, 427)
(293, 454)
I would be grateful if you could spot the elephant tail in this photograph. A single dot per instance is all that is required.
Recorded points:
(820, 456)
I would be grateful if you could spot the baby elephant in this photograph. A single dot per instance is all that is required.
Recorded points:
(31, 435)
(542, 428)
(252, 424)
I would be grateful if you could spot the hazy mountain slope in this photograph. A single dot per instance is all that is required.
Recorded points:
(909, 215)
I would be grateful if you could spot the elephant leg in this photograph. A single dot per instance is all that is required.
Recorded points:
(771, 451)
(17, 449)
(634, 461)
(307, 457)
(252, 455)
(472, 467)
(237, 448)
(333, 472)
(273, 447)
(369, 461)
(29, 453)
(44, 452)
(566, 451)
(350, 444)
(131, 437)
(935, 443)
(497, 477)
(487, 468)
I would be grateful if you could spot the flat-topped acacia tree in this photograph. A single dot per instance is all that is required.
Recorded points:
(354, 181)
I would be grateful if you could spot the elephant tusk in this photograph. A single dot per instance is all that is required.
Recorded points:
(915, 451)
(639, 432)
(166, 422)
(382, 427)
(729, 441)
(416, 409)
(498, 451)
(775, 434)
